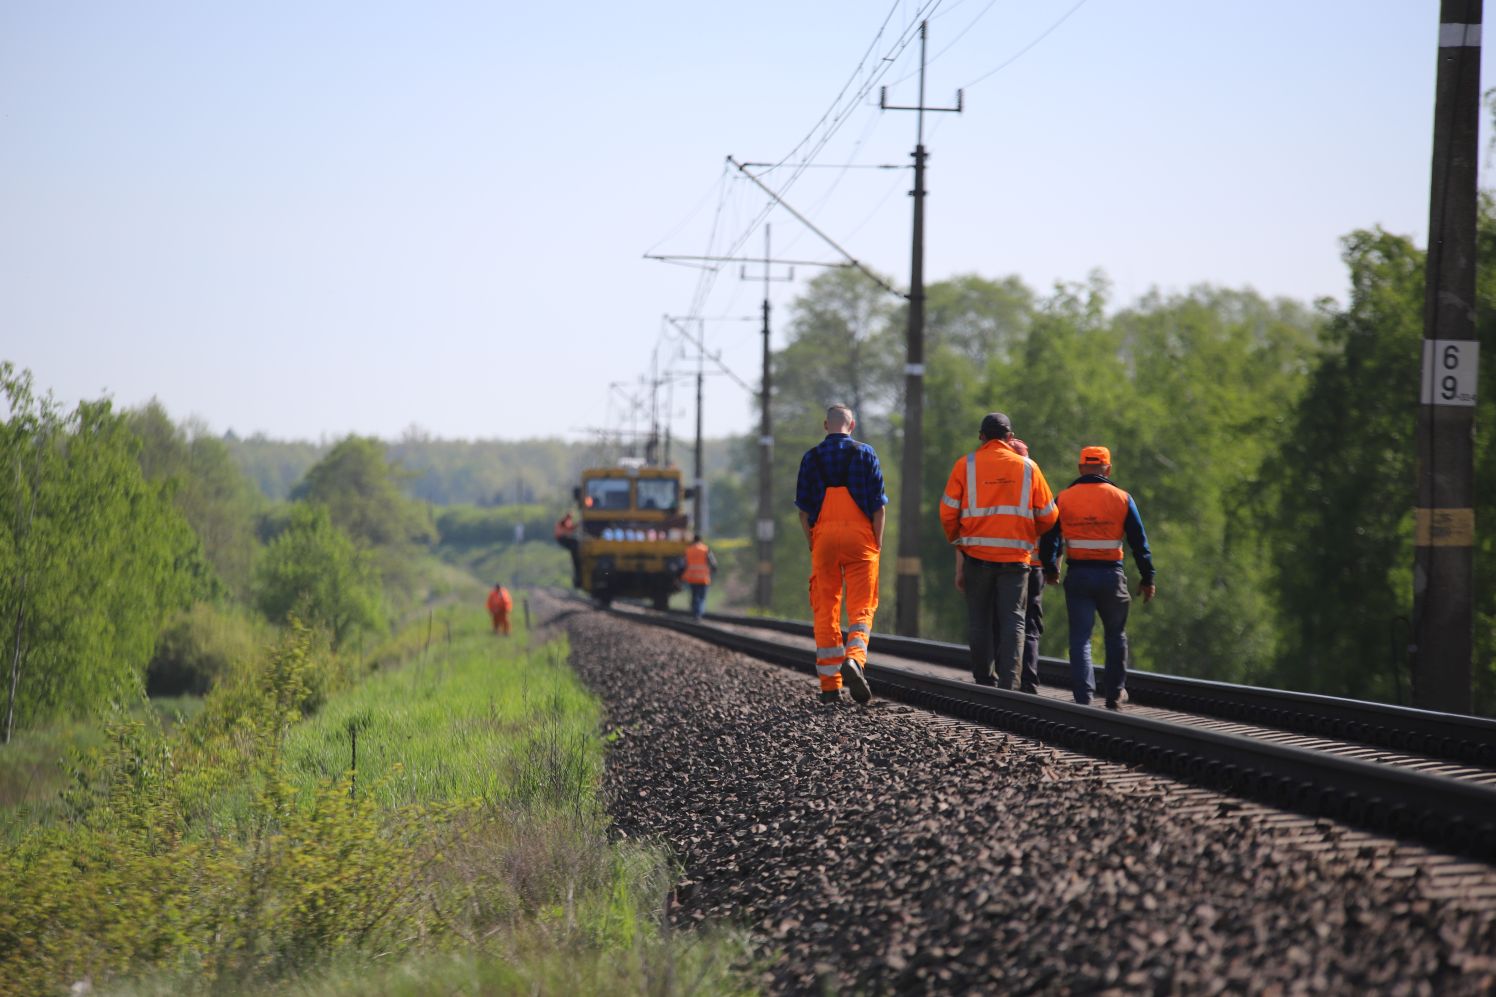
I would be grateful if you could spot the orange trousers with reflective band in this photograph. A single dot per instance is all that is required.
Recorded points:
(500, 620)
(842, 552)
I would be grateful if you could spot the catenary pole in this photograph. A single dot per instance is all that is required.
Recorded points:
(765, 527)
(1444, 518)
(698, 521)
(909, 567)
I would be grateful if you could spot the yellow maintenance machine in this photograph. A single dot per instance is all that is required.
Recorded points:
(633, 532)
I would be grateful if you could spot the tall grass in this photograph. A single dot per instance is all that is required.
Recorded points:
(435, 827)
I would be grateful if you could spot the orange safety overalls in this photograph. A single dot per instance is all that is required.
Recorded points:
(842, 551)
(499, 604)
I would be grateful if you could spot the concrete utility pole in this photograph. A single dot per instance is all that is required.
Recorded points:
(766, 450)
(906, 585)
(1444, 519)
(698, 514)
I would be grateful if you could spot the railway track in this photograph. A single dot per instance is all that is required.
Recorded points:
(1417, 775)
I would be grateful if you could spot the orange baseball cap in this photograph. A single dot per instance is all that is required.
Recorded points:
(1095, 455)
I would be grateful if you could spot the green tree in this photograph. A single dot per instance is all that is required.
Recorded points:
(1190, 450)
(208, 488)
(1338, 498)
(314, 571)
(95, 557)
(360, 488)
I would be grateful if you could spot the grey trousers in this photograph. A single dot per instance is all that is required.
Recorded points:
(996, 599)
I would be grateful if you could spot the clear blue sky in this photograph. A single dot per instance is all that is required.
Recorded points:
(308, 219)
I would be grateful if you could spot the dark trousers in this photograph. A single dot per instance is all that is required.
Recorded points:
(1033, 627)
(1093, 589)
(570, 543)
(995, 603)
(698, 599)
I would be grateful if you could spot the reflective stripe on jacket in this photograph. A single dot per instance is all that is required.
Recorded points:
(996, 504)
(1093, 518)
(698, 566)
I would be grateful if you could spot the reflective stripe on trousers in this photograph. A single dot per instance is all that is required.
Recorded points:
(843, 553)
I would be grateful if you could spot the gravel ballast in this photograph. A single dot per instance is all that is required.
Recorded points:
(877, 850)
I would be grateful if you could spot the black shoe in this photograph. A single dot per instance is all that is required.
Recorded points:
(834, 696)
(1032, 690)
(986, 680)
(1112, 704)
(855, 682)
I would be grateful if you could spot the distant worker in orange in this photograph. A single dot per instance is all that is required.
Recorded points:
(499, 604)
(566, 536)
(841, 500)
(996, 507)
(700, 563)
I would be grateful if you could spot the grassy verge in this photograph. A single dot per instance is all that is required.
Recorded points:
(433, 828)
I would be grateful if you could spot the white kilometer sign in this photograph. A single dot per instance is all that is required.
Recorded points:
(1449, 370)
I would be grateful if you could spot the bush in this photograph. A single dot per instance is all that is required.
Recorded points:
(198, 648)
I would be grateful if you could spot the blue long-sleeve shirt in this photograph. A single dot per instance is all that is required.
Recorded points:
(839, 460)
(1132, 527)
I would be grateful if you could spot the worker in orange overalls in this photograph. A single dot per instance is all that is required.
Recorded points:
(700, 563)
(995, 508)
(499, 604)
(841, 500)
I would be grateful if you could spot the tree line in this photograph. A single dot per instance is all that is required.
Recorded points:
(1269, 445)
(135, 553)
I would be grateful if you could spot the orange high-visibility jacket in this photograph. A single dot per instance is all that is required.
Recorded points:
(1093, 518)
(698, 565)
(997, 504)
(565, 526)
(499, 601)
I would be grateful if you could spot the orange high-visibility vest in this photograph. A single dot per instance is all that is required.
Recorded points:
(698, 569)
(565, 526)
(1093, 517)
(996, 505)
(499, 601)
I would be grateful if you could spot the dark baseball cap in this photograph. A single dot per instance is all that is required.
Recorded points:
(996, 426)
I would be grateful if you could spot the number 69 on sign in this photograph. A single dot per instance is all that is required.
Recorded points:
(1449, 371)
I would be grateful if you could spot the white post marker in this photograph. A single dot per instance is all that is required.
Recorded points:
(1450, 367)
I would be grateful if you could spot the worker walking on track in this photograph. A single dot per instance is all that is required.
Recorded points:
(700, 563)
(499, 604)
(1095, 517)
(841, 500)
(1033, 613)
(996, 507)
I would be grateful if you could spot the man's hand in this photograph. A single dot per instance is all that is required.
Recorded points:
(1051, 576)
(1147, 591)
(960, 572)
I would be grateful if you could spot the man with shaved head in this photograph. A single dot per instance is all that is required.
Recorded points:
(841, 500)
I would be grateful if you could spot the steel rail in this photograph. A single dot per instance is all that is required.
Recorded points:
(1451, 814)
(1449, 736)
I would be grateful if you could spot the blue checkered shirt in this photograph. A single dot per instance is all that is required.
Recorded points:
(839, 460)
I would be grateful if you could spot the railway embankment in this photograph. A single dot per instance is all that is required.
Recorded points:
(883, 849)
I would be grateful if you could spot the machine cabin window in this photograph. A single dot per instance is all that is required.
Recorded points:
(608, 494)
(658, 493)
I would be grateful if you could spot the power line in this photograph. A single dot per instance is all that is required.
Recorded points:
(952, 43)
(1021, 52)
(808, 224)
